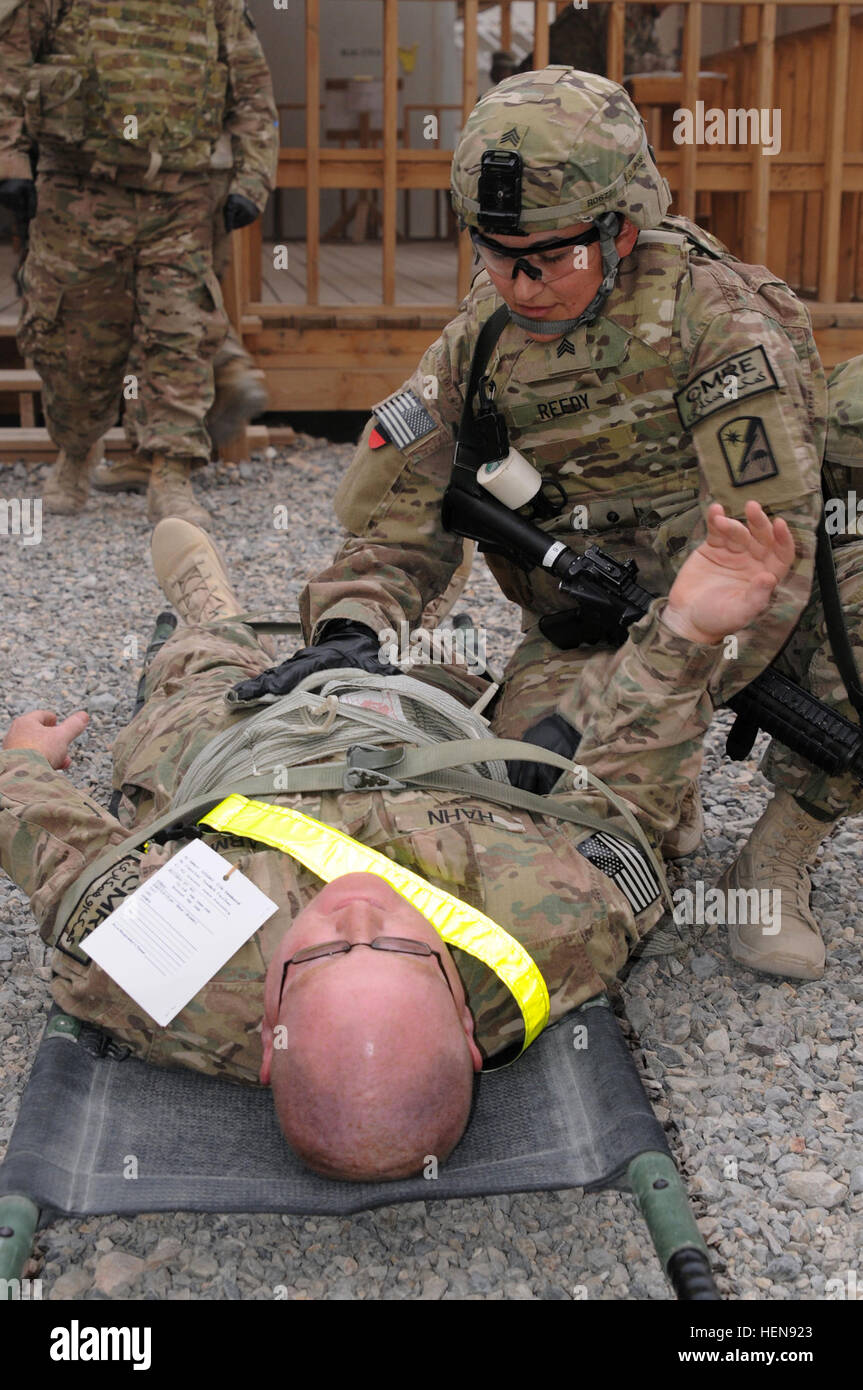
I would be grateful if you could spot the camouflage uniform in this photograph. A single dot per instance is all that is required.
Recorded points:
(807, 653)
(121, 246)
(699, 381)
(643, 737)
(231, 353)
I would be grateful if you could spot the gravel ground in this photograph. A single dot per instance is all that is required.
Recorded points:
(759, 1082)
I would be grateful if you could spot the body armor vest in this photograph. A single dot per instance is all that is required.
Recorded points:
(131, 83)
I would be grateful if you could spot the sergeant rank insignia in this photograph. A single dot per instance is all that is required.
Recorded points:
(404, 418)
(747, 450)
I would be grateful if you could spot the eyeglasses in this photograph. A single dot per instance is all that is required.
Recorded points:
(546, 260)
(400, 944)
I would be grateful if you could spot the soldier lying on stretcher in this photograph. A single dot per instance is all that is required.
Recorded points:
(371, 1053)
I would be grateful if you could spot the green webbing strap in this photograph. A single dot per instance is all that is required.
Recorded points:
(433, 767)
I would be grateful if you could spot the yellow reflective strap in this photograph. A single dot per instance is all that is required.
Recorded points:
(329, 854)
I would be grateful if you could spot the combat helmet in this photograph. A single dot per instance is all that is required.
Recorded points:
(545, 149)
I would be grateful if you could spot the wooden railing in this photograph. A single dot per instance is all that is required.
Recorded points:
(825, 157)
(799, 211)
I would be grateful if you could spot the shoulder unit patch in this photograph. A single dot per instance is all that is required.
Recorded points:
(747, 450)
(735, 378)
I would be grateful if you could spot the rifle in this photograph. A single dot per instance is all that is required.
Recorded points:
(608, 600)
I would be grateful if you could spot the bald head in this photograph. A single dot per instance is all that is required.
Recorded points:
(372, 1069)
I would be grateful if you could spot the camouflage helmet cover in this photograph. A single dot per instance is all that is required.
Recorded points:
(845, 413)
(583, 147)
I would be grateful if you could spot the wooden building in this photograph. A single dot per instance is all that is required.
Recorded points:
(358, 265)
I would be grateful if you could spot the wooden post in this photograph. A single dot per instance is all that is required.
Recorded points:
(749, 24)
(468, 93)
(691, 63)
(505, 24)
(313, 149)
(256, 251)
(837, 91)
(614, 55)
(390, 135)
(759, 219)
(231, 284)
(540, 34)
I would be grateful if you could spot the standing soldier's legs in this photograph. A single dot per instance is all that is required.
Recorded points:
(76, 320)
(240, 386)
(808, 802)
(181, 324)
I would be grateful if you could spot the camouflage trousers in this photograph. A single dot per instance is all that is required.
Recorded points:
(113, 274)
(539, 675)
(134, 412)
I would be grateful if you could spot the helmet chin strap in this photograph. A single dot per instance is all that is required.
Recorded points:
(608, 225)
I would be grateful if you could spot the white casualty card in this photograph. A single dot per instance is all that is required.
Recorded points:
(178, 929)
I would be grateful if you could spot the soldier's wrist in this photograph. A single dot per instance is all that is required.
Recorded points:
(678, 622)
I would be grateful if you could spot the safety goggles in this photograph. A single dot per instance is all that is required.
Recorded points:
(546, 260)
(400, 944)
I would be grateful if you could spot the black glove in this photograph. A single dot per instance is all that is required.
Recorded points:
(557, 735)
(19, 196)
(239, 212)
(343, 644)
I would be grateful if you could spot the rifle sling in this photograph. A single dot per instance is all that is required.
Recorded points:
(488, 336)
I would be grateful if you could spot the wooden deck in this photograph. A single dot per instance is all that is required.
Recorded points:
(349, 274)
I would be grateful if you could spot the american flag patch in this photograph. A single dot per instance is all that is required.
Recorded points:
(623, 863)
(405, 418)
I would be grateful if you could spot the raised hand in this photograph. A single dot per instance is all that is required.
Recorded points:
(729, 579)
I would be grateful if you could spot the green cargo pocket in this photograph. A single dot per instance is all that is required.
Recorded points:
(54, 103)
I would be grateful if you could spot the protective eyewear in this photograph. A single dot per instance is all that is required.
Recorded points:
(400, 944)
(546, 260)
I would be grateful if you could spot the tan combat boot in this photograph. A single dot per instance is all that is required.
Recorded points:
(241, 394)
(779, 848)
(170, 492)
(67, 486)
(122, 475)
(190, 572)
(689, 832)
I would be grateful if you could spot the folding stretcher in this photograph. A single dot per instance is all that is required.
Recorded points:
(572, 1112)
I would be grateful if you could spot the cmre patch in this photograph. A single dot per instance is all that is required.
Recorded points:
(742, 375)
